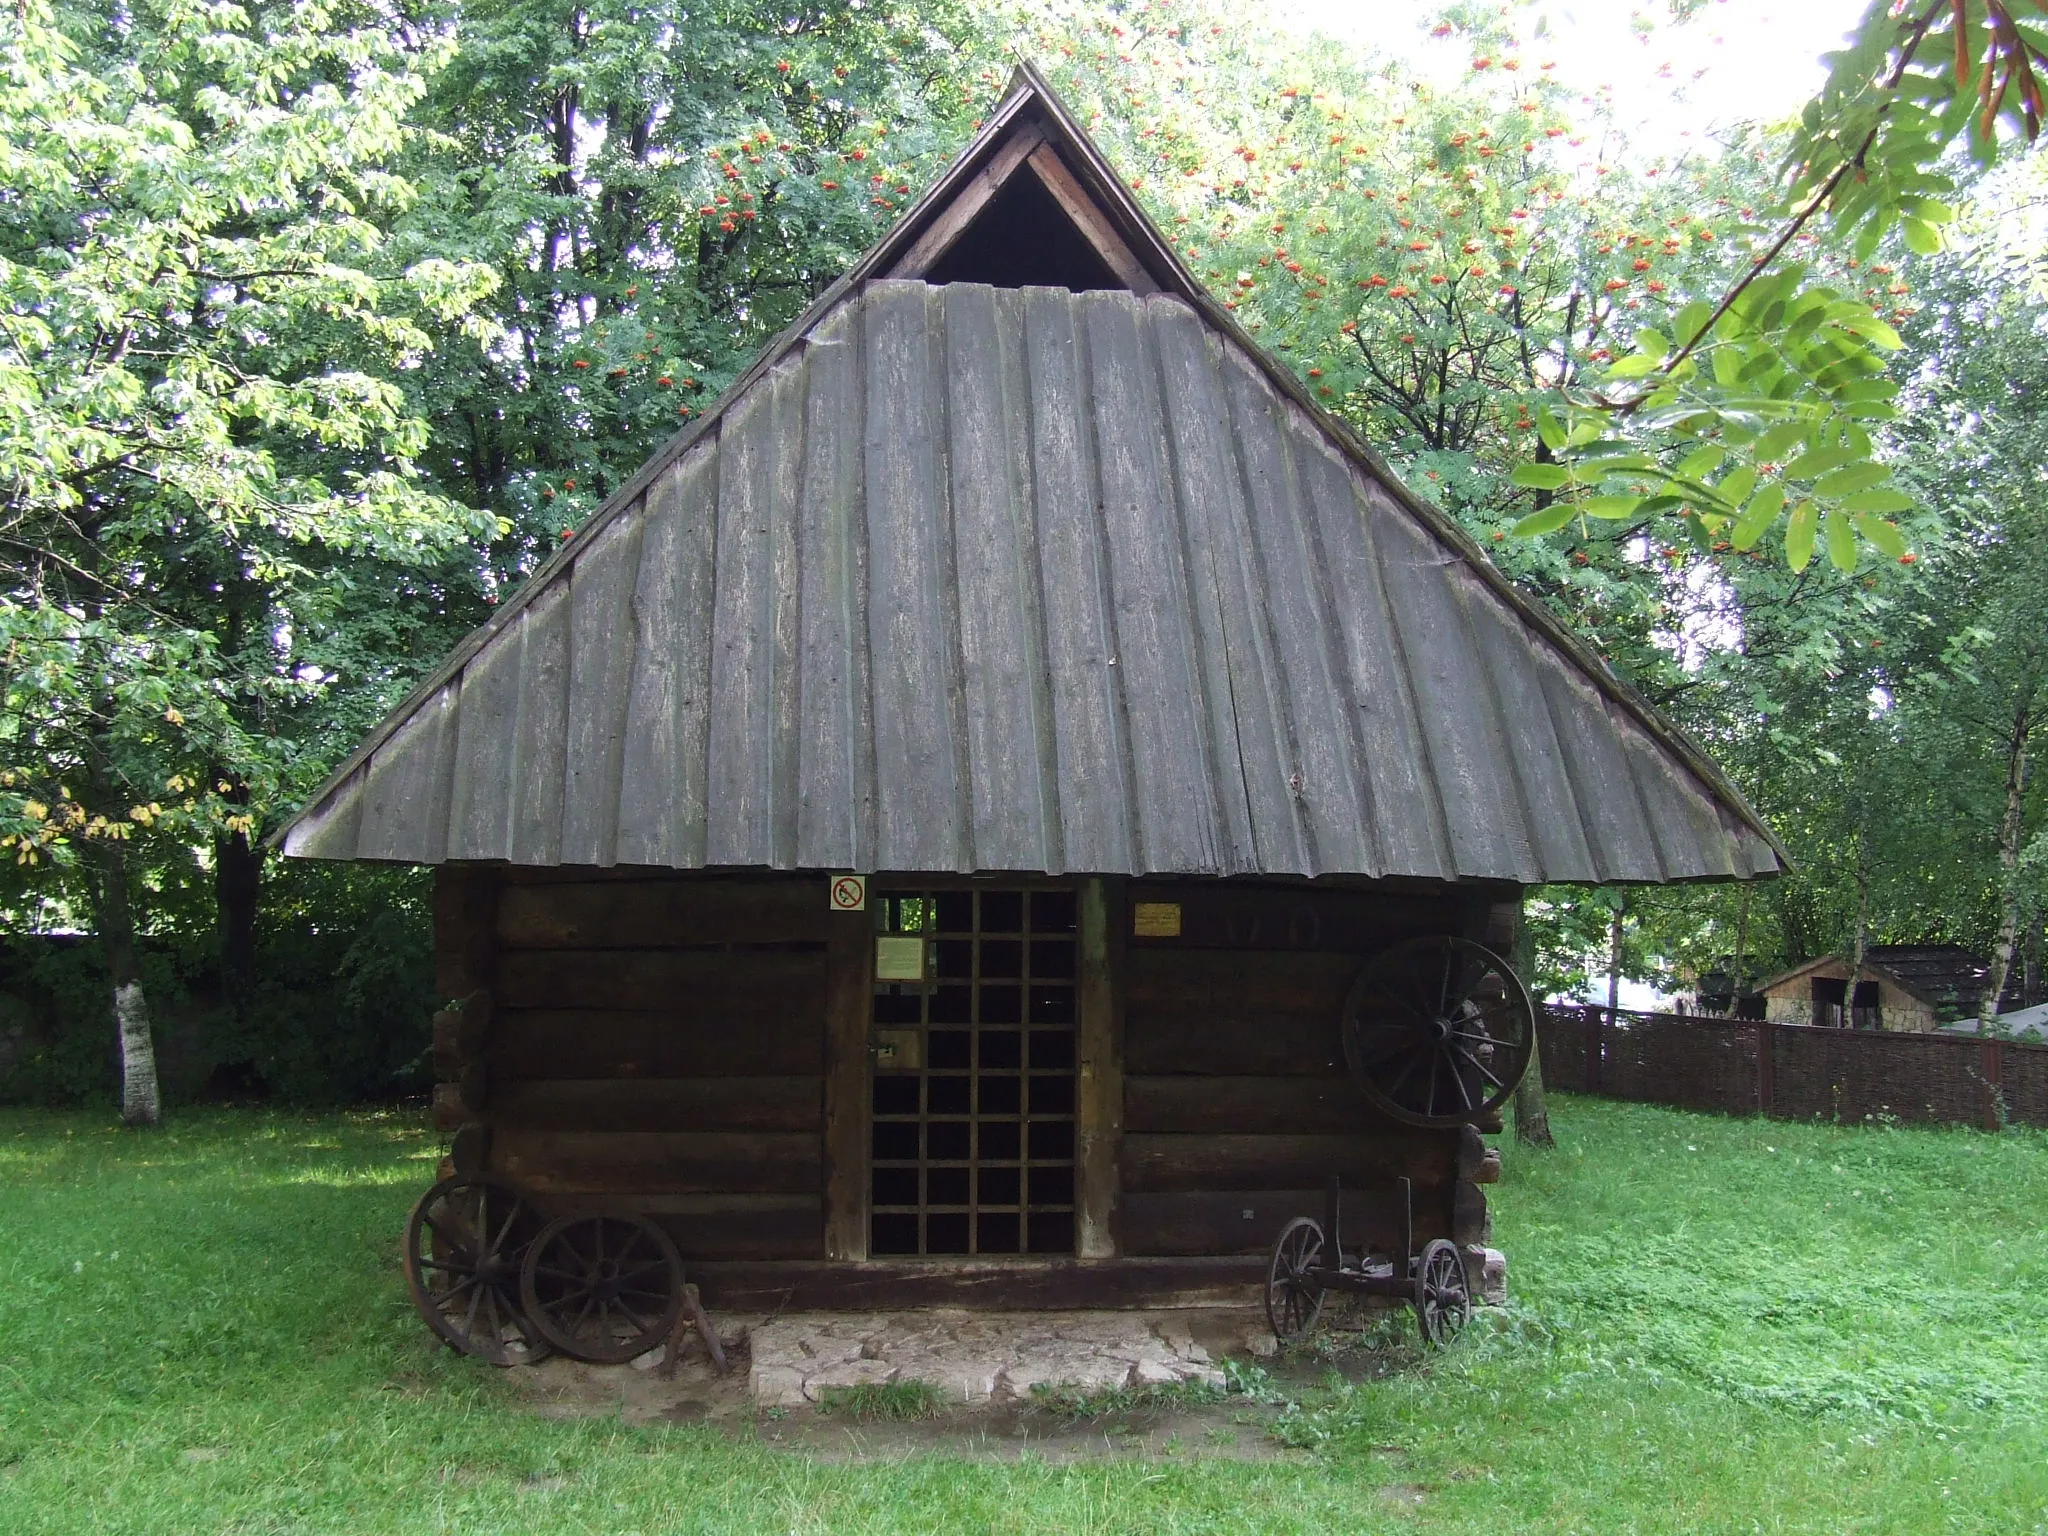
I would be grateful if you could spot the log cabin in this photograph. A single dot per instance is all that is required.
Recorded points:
(917, 840)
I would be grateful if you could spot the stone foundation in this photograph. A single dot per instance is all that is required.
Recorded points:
(979, 1357)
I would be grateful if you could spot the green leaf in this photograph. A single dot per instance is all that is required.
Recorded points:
(1701, 462)
(1686, 324)
(1781, 440)
(1612, 509)
(1855, 477)
(1841, 540)
(1884, 536)
(1883, 501)
(1549, 520)
(1875, 331)
(1735, 489)
(1550, 429)
(1637, 365)
(1761, 512)
(1921, 239)
(1817, 462)
(1653, 343)
(1540, 477)
(1800, 528)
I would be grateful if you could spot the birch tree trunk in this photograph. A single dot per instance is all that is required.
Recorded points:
(1738, 983)
(1532, 1109)
(1614, 963)
(141, 1103)
(1862, 930)
(2010, 826)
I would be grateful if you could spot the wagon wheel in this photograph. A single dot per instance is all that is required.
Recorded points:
(1438, 1031)
(1443, 1299)
(603, 1288)
(464, 1245)
(1293, 1300)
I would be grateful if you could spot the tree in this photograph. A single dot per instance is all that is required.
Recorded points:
(1779, 381)
(1979, 435)
(660, 189)
(203, 436)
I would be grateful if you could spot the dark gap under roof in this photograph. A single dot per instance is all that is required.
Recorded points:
(1022, 238)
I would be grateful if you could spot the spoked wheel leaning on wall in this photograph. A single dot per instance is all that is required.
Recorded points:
(464, 1246)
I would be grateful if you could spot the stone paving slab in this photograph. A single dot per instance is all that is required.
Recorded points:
(980, 1357)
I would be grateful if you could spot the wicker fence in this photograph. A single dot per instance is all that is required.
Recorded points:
(1793, 1071)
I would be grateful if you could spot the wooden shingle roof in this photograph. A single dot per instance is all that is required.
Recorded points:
(967, 578)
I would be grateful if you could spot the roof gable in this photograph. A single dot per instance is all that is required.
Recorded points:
(966, 577)
(1822, 967)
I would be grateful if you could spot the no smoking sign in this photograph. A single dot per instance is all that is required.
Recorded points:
(849, 893)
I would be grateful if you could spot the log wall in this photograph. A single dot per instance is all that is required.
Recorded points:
(1237, 1103)
(653, 1044)
(667, 1045)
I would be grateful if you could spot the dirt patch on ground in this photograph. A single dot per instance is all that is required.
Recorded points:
(1057, 1387)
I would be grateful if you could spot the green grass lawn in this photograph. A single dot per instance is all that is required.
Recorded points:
(1720, 1325)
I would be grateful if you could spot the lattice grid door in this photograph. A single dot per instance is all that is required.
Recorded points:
(974, 1074)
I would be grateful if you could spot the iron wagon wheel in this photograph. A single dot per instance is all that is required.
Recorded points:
(601, 1287)
(464, 1245)
(1443, 1298)
(1438, 1031)
(1293, 1299)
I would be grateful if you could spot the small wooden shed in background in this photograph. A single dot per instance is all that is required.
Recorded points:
(1018, 581)
(1818, 993)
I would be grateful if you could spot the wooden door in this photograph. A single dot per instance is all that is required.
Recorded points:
(973, 1079)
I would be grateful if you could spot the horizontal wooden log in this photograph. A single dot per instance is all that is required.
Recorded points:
(1293, 917)
(1249, 1105)
(1158, 1164)
(658, 1104)
(663, 914)
(464, 900)
(1469, 1222)
(548, 1044)
(449, 1115)
(1025, 1285)
(658, 1162)
(1248, 1221)
(717, 1226)
(470, 1151)
(731, 988)
(449, 1056)
(1476, 1160)
(1244, 1043)
(1221, 981)
(460, 1034)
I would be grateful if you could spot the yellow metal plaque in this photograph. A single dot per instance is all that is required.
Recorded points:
(899, 959)
(1156, 919)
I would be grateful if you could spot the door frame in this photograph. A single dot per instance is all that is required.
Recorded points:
(1099, 1090)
